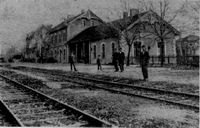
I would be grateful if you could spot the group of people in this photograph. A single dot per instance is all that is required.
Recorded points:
(119, 57)
(118, 61)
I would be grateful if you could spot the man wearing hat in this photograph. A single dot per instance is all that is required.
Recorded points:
(144, 60)
(121, 59)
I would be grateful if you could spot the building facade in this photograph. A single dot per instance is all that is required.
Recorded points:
(87, 36)
(69, 28)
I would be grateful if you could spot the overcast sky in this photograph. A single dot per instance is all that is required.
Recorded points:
(18, 17)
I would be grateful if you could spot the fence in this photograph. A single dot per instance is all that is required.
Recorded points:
(171, 60)
(188, 60)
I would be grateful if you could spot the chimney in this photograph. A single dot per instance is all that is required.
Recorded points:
(69, 16)
(125, 15)
(133, 12)
(82, 11)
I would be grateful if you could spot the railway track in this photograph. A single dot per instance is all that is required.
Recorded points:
(172, 97)
(28, 107)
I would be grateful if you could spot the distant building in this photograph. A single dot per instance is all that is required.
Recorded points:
(36, 43)
(188, 50)
(188, 46)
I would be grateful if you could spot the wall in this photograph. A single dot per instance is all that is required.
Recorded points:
(78, 26)
(108, 50)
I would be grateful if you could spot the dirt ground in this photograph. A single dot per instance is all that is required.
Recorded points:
(133, 71)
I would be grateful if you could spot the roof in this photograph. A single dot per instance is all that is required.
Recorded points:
(125, 22)
(95, 33)
(64, 24)
(189, 38)
(176, 32)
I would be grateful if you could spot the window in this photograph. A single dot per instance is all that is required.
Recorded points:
(60, 37)
(64, 54)
(56, 40)
(103, 50)
(55, 52)
(51, 54)
(94, 52)
(53, 39)
(113, 48)
(84, 22)
(92, 23)
(63, 35)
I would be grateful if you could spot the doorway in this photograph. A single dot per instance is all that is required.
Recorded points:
(137, 50)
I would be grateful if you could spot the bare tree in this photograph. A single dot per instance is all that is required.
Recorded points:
(190, 13)
(39, 40)
(158, 23)
(121, 26)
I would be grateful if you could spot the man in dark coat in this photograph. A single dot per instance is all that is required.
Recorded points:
(115, 60)
(99, 67)
(71, 61)
(144, 60)
(121, 59)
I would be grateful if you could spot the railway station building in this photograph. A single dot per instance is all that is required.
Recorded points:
(65, 31)
(87, 36)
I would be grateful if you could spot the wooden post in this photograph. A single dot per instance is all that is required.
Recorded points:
(76, 53)
(168, 60)
(152, 60)
(89, 61)
(84, 57)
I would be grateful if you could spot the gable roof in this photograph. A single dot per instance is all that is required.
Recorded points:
(176, 32)
(126, 22)
(95, 33)
(86, 14)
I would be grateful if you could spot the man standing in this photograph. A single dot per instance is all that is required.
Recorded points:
(115, 60)
(121, 59)
(144, 60)
(71, 61)
(99, 67)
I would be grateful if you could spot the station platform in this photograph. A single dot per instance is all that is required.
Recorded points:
(133, 71)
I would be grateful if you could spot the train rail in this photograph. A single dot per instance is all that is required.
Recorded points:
(29, 107)
(172, 97)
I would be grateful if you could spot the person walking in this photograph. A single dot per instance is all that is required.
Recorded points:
(99, 67)
(71, 61)
(144, 60)
(121, 59)
(115, 60)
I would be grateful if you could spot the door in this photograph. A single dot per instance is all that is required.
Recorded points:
(137, 50)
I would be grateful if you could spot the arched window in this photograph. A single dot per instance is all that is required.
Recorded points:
(95, 52)
(60, 37)
(56, 39)
(55, 52)
(64, 54)
(113, 48)
(84, 22)
(92, 23)
(103, 51)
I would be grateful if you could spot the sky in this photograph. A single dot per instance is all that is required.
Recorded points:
(18, 17)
